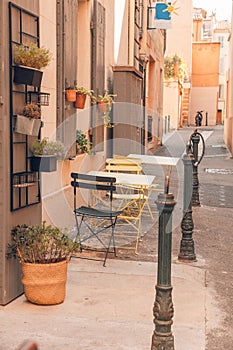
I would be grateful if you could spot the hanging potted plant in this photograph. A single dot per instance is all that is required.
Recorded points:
(29, 123)
(104, 105)
(70, 93)
(81, 95)
(43, 252)
(104, 102)
(29, 60)
(45, 155)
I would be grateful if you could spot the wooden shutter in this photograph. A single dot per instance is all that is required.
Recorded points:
(98, 70)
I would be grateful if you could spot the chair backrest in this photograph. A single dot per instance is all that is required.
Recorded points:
(124, 165)
(91, 182)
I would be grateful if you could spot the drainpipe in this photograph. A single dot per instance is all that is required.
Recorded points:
(141, 5)
(144, 60)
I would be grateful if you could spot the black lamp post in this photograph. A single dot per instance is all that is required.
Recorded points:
(163, 307)
(195, 139)
(187, 243)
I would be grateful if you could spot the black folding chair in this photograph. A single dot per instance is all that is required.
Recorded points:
(94, 222)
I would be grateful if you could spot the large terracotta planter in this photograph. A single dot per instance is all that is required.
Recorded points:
(70, 95)
(80, 100)
(45, 284)
(27, 75)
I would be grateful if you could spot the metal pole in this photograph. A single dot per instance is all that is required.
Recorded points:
(206, 118)
(163, 307)
(165, 124)
(195, 138)
(187, 243)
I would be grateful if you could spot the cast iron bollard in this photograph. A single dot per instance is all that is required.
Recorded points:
(163, 307)
(195, 139)
(187, 251)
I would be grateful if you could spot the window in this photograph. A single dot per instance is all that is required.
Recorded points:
(149, 131)
(221, 40)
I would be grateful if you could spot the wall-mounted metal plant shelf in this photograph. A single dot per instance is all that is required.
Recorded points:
(40, 98)
(25, 184)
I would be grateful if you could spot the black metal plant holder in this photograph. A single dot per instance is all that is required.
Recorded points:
(187, 251)
(163, 307)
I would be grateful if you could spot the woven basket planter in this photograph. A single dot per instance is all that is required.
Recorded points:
(45, 284)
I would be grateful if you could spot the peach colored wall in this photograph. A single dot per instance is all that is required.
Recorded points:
(205, 64)
(171, 107)
(206, 99)
(197, 30)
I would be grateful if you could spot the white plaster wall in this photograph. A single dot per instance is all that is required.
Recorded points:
(206, 99)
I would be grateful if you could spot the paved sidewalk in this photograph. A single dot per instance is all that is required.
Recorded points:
(109, 308)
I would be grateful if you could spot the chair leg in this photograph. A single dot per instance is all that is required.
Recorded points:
(112, 239)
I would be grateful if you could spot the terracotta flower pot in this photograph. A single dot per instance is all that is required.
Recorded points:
(80, 100)
(70, 95)
(103, 107)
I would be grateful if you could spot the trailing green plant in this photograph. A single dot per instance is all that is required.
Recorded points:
(40, 244)
(32, 56)
(32, 111)
(47, 148)
(109, 100)
(83, 90)
(82, 142)
(175, 67)
(104, 98)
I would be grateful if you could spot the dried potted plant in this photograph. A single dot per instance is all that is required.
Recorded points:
(45, 155)
(29, 60)
(81, 95)
(43, 252)
(29, 123)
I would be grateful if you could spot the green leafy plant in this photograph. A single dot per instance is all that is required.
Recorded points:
(108, 100)
(83, 90)
(174, 67)
(47, 148)
(40, 244)
(32, 56)
(104, 98)
(82, 142)
(32, 111)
